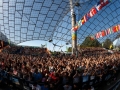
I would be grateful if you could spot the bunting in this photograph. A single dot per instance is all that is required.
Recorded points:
(93, 11)
(111, 30)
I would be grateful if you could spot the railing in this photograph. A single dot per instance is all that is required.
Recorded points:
(115, 86)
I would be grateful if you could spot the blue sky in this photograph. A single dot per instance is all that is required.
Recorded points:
(37, 43)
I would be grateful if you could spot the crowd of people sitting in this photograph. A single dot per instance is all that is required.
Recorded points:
(58, 72)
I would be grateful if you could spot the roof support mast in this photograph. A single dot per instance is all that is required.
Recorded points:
(73, 33)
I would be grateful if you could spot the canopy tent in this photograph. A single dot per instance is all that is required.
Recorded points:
(26, 20)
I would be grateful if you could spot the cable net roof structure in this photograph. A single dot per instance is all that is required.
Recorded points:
(26, 20)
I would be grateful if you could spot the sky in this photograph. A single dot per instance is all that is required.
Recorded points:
(60, 46)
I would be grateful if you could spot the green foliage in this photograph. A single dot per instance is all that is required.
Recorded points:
(88, 42)
(107, 43)
(69, 49)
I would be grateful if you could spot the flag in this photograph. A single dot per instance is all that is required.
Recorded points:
(88, 16)
(73, 36)
(119, 27)
(97, 6)
(97, 35)
(100, 34)
(103, 33)
(79, 23)
(83, 21)
(102, 4)
(85, 18)
(93, 11)
(110, 31)
(114, 29)
(106, 32)
(75, 28)
(106, 2)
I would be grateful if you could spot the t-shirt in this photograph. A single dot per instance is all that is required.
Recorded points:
(44, 88)
(37, 76)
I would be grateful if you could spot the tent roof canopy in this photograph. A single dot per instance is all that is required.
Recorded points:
(25, 20)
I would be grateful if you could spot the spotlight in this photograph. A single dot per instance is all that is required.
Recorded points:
(50, 40)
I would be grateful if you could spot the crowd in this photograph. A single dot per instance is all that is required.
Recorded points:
(27, 50)
(61, 73)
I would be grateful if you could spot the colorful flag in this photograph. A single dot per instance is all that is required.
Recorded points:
(103, 33)
(110, 31)
(106, 2)
(118, 27)
(101, 4)
(85, 18)
(97, 35)
(88, 16)
(114, 29)
(75, 28)
(79, 23)
(106, 32)
(83, 21)
(93, 11)
(100, 34)
(73, 36)
(97, 6)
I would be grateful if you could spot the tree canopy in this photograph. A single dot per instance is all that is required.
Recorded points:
(88, 42)
(107, 43)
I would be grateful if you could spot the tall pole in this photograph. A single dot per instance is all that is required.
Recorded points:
(74, 33)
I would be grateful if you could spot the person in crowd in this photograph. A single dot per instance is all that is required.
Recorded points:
(71, 73)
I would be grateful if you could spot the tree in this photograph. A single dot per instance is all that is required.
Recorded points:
(88, 42)
(69, 49)
(107, 43)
